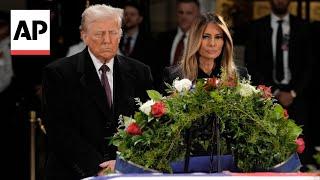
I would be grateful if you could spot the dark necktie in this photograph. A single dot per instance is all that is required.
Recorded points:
(127, 46)
(279, 54)
(179, 51)
(105, 83)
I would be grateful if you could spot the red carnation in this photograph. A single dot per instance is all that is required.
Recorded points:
(231, 82)
(266, 91)
(300, 145)
(285, 114)
(211, 83)
(158, 109)
(134, 129)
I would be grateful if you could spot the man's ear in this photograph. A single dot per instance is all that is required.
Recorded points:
(83, 36)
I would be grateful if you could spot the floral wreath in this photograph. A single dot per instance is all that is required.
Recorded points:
(255, 127)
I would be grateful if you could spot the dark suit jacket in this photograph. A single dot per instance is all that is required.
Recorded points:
(314, 89)
(165, 41)
(144, 51)
(78, 119)
(163, 45)
(143, 48)
(259, 56)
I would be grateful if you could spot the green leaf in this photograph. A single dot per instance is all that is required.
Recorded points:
(215, 95)
(138, 141)
(154, 95)
(295, 130)
(317, 157)
(150, 119)
(279, 110)
(116, 142)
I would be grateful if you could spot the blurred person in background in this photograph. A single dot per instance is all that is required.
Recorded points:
(6, 71)
(278, 55)
(172, 43)
(136, 42)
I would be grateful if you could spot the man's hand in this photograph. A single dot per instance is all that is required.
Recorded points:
(107, 166)
(285, 98)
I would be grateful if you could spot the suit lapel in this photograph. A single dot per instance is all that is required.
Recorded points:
(268, 40)
(122, 86)
(172, 35)
(91, 82)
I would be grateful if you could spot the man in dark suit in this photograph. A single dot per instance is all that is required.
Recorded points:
(170, 50)
(84, 95)
(136, 42)
(314, 89)
(171, 44)
(277, 55)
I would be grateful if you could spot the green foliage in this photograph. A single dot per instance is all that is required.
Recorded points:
(317, 156)
(154, 95)
(257, 132)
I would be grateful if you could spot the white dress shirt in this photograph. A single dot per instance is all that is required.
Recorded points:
(285, 33)
(132, 42)
(97, 64)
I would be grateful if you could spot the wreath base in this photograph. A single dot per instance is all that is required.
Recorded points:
(202, 164)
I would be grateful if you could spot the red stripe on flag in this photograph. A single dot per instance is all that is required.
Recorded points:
(30, 52)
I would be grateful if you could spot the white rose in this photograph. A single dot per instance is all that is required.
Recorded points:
(247, 90)
(182, 85)
(146, 107)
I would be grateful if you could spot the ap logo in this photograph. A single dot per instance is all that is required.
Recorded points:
(30, 32)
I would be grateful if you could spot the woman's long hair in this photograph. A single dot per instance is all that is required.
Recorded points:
(189, 63)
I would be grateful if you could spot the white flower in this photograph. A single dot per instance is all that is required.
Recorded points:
(247, 90)
(182, 85)
(146, 107)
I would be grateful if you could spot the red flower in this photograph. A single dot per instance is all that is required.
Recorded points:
(231, 82)
(134, 129)
(158, 109)
(285, 114)
(266, 91)
(300, 145)
(211, 83)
